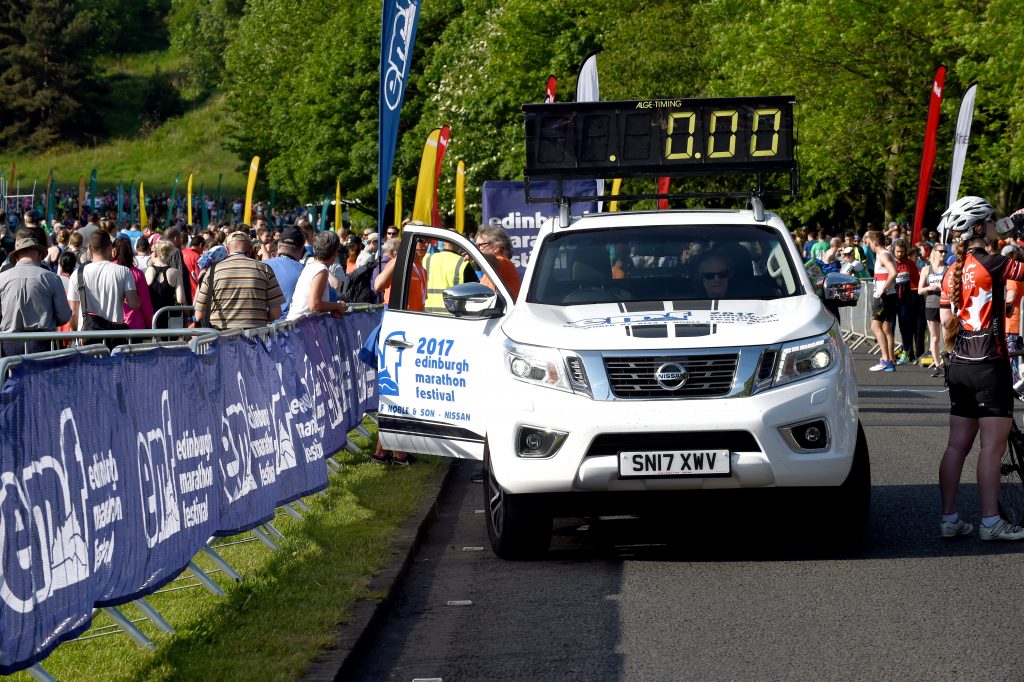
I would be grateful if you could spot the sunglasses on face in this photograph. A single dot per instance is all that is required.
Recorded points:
(722, 274)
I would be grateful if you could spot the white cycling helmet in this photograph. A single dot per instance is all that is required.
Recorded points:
(964, 217)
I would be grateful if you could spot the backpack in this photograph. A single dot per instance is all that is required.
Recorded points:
(357, 286)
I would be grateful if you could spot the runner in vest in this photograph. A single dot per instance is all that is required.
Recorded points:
(445, 269)
(883, 305)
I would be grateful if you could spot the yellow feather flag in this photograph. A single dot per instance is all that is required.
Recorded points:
(142, 206)
(460, 198)
(398, 203)
(254, 166)
(422, 208)
(616, 186)
(188, 198)
(337, 206)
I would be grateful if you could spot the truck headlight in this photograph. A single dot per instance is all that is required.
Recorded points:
(806, 358)
(546, 367)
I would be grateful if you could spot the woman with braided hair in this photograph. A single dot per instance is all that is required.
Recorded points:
(972, 308)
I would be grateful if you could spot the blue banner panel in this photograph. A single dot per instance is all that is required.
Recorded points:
(504, 205)
(397, 35)
(114, 472)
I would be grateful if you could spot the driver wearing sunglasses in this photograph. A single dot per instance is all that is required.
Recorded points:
(714, 274)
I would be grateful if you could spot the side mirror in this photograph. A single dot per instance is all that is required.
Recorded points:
(473, 300)
(842, 289)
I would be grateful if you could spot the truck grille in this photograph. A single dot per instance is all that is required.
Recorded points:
(708, 376)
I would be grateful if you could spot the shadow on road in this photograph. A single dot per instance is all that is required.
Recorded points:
(903, 524)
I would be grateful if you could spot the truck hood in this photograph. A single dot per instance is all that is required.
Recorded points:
(668, 324)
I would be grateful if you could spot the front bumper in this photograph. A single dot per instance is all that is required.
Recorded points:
(768, 460)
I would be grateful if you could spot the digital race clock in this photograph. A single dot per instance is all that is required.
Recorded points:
(662, 137)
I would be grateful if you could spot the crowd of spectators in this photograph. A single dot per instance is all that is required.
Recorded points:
(905, 280)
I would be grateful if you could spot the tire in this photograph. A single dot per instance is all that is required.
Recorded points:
(1011, 479)
(854, 497)
(518, 527)
(842, 513)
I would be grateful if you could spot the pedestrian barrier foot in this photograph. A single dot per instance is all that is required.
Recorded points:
(129, 627)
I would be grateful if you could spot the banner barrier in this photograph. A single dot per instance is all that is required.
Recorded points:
(115, 471)
(504, 205)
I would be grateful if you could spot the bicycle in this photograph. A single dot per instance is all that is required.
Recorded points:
(1011, 469)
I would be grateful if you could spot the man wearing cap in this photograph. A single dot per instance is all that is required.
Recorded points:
(850, 265)
(287, 264)
(370, 250)
(32, 298)
(239, 292)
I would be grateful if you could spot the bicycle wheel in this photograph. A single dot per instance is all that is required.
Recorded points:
(1011, 486)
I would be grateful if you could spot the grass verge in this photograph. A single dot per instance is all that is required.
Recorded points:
(288, 605)
(189, 143)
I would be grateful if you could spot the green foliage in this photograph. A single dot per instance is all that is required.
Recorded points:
(45, 74)
(161, 99)
(128, 25)
(300, 78)
(861, 73)
(199, 32)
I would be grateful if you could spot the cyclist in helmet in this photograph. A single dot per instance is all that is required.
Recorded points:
(971, 308)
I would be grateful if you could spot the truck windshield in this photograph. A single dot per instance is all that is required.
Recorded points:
(663, 263)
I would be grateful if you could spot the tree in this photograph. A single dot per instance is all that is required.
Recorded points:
(199, 32)
(45, 73)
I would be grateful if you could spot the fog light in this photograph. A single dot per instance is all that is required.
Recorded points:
(535, 442)
(809, 436)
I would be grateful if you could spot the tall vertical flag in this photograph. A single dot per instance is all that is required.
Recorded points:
(963, 136)
(588, 90)
(92, 191)
(664, 185)
(49, 200)
(337, 205)
(120, 204)
(460, 198)
(254, 167)
(172, 205)
(323, 210)
(549, 90)
(203, 210)
(616, 186)
(142, 205)
(131, 203)
(398, 202)
(442, 146)
(928, 155)
(188, 198)
(421, 206)
(81, 195)
(397, 34)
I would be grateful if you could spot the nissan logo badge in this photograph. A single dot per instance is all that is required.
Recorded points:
(671, 376)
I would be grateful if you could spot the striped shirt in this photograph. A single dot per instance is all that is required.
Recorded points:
(244, 291)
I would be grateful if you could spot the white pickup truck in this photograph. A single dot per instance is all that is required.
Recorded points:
(649, 354)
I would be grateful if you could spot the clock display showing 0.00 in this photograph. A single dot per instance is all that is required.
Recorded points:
(660, 137)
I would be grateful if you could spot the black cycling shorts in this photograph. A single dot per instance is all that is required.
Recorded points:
(884, 309)
(931, 314)
(980, 390)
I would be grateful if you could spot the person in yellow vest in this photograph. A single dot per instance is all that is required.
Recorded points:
(445, 269)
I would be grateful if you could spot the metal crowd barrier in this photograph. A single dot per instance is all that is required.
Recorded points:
(168, 309)
(855, 321)
(199, 340)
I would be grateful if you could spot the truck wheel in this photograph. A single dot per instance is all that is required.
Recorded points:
(854, 497)
(518, 527)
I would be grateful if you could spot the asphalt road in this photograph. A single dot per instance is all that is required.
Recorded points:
(627, 599)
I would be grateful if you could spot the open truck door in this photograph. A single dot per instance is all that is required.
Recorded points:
(438, 353)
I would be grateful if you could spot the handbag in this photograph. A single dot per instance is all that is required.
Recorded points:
(93, 322)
